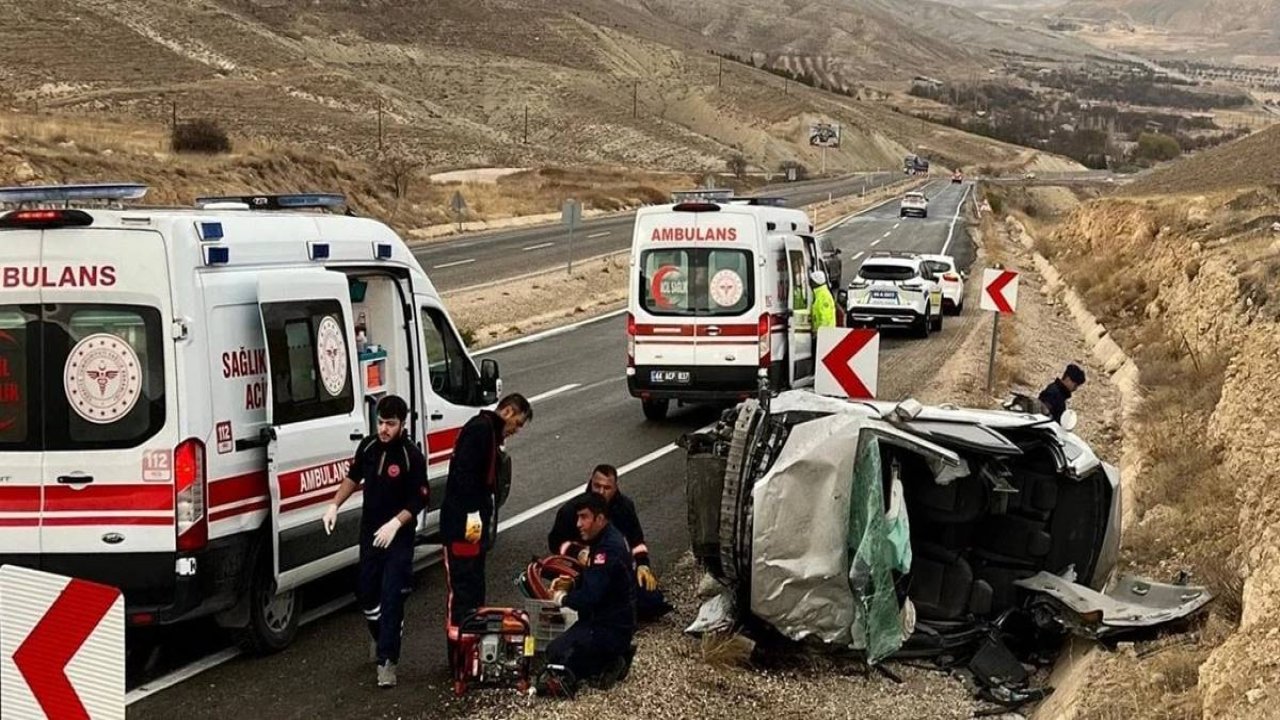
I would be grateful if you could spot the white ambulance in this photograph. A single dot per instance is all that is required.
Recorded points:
(719, 300)
(181, 390)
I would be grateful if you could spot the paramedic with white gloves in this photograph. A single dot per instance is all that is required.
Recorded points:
(393, 472)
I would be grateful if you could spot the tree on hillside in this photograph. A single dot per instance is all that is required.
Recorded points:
(1157, 148)
(737, 164)
(400, 168)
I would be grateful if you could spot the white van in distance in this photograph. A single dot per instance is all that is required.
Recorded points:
(719, 300)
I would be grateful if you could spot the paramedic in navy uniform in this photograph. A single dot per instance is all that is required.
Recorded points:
(393, 472)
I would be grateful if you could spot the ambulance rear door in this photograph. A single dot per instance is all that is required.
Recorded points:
(315, 420)
(20, 368)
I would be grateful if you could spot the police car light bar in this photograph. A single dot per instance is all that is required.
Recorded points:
(300, 201)
(103, 192)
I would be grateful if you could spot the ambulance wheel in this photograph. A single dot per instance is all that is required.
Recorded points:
(273, 617)
(656, 410)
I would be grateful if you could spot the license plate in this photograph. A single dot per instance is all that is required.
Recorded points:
(668, 377)
(884, 297)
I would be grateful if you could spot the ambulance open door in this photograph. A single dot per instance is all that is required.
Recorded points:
(315, 419)
(800, 339)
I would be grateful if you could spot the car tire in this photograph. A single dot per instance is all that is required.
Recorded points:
(924, 324)
(937, 320)
(656, 410)
(273, 617)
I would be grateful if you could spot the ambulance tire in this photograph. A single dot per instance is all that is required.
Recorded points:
(273, 619)
(656, 410)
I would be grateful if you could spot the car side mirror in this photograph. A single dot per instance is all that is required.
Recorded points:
(490, 381)
(1069, 420)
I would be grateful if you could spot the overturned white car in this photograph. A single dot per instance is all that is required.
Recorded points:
(909, 530)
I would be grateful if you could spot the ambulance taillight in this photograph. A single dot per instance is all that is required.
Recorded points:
(631, 340)
(766, 341)
(190, 500)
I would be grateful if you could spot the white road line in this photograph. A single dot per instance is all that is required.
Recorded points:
(876, 242)
(548, 333)
(539, 246)
(855, 257)
(952, 230)
(454, 264)
(593, 236)
(896, 226)
(888, 233)
(431, 558)
(552, 393)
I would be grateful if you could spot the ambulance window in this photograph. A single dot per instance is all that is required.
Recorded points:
(448, 367)
(301, 388)
(104, 378)
(697, 282)
(18, 352)
(665, 282)
(799, 283)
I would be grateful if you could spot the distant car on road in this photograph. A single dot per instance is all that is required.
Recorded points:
(895, 289)
(957, 177)
(951, 279)
(914, 203)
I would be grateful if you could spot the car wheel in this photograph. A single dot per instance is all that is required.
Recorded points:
(924, 324)
(656, 410)
(937, 321)
(273, 617)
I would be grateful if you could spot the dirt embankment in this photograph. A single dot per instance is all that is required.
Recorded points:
(1188, 287)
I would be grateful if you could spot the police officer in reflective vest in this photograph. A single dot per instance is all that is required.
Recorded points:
(393, 472)
(565, 539)
(598, 645)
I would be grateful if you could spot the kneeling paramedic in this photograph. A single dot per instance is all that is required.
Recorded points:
(598, 645)
(393, 472)
(565, 539)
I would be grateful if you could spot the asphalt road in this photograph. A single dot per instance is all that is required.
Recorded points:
(478, 258)
(585, 417)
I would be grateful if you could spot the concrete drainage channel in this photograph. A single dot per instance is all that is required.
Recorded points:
(1071, 670)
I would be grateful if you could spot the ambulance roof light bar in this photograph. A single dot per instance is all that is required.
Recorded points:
(88, 193)
(298, 201)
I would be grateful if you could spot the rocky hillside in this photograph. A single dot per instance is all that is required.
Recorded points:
(1249, 162)
(452, 82)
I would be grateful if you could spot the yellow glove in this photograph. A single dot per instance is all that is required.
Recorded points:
(474, 528)
(646, 578)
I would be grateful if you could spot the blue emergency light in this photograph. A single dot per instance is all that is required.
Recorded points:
(382, 251)
(210, 231)
(318, 250)
(102, 192)
(217, 255)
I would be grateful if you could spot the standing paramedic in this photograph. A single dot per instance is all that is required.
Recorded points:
(467, 525)
(393, 472)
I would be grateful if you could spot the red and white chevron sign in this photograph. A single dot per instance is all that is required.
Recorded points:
(999, 291)
(61, 647)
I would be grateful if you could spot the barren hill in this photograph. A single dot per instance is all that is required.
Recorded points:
(1252, 161)
(452, 81)
(1239, 26)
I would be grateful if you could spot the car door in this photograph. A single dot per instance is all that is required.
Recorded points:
(800, 336)
(315, 418)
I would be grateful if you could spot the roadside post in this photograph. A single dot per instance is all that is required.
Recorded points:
(571, 215)
(459, 205)
(1000, 296)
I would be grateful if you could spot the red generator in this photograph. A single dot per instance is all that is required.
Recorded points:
(493, 647)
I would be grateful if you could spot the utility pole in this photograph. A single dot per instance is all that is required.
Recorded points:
(720, 77)
(173, 117)
(379, 124)
(635, 99)
(526, 123)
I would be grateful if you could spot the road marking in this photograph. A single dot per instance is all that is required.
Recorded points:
(548, 333)
(539, 246)
(454, 264)
(895, 226)
(951, 231)
(552, 393)
(888, 233)
(855, 257)
(593, 236)
(431, 557)
(876, 242)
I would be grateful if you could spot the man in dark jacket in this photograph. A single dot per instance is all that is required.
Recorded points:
(599, 643)
(467, 525)
(1056, 395)
(564, 538)
(393, 472)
